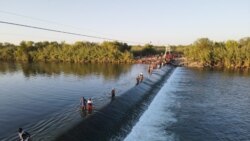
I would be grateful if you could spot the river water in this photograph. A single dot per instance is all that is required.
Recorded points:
(44, 98)
(175, 104)
(198, 105)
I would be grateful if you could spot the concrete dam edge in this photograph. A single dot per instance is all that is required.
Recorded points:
(108, 120)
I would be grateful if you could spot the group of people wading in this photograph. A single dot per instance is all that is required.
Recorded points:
(139, 78)
(88, 104)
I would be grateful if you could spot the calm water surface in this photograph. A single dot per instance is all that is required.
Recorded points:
(189, 105)
(44, 98)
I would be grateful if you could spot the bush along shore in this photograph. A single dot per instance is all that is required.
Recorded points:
(202, 53)
(205, 53)
(79, 52)
(28, 51)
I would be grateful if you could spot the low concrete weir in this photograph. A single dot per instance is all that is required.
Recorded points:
(104, 123)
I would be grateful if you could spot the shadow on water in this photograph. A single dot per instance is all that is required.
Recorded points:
(108, 71)
(85, 113)
(109, 120)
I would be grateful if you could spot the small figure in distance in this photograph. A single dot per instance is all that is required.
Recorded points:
(90, 104)
(137, 80)
(149, 69)
(83, 103)
(113, 93)
(23, 136)
(141, 77)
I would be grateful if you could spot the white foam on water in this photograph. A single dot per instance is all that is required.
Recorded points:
(154, 121)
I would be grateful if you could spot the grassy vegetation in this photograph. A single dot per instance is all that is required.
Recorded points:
(106, 52)
(147, 50)
(228, 54)
(29, 51)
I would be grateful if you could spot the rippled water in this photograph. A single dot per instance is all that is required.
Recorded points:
(114, 121)
(44, 98)
(151, 125)
(170, 105)
(198, 105)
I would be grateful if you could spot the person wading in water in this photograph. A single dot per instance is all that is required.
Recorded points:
(90, 104)
(113, 93)
(83, 103)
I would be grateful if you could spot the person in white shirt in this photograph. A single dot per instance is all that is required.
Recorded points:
(141, 77)
(90, 104)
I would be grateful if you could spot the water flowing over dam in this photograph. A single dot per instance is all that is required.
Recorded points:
(174, 103)
(112, 119)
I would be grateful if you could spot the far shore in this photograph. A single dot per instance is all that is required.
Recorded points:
(182, 61)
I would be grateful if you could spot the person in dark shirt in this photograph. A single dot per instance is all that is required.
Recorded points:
(83, 103)
(113, 93)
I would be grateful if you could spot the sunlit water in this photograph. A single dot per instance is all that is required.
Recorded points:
(170, 105)
(44, 98)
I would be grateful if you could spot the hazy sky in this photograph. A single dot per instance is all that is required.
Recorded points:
(158, 21)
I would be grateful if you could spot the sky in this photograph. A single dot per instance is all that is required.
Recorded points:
(160, 22)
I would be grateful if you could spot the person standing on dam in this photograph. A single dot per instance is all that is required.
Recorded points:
(113, 93)
(83, 103)
(137, 80)
(141, 77)
(90, 104)
(150, 69)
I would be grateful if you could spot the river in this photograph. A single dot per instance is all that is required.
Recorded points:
(175, 104)
(196, 105)
(44, 98)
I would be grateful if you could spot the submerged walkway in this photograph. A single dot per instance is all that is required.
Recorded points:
(107, 122)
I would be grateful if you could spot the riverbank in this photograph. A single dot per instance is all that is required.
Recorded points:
(183, 61)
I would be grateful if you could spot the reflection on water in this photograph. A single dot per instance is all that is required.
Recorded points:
(7, 68)
(108, 71)
(118, 116)
(43, 98)
(85, 113)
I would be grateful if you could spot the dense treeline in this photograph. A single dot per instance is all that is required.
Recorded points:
(147, 50)
(229, 54)
(114, 52)
(207, 53)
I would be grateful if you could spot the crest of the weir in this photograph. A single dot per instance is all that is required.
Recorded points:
(101, 124)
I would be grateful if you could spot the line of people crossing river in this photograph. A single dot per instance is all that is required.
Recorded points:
(87, 104)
